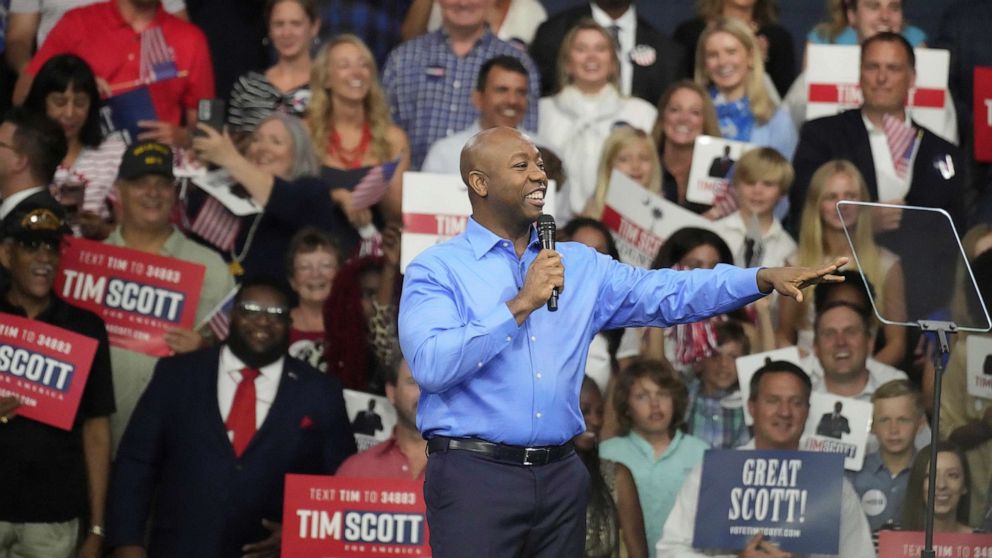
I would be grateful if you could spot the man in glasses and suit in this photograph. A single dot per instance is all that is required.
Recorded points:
(214, 435)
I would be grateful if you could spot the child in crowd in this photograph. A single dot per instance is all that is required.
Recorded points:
(881, 483)
(716, 410)
(632, 152)
(650, 401)
(761, 178)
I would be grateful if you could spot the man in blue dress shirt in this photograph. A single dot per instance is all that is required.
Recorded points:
(500, 374)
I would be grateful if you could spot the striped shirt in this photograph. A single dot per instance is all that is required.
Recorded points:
(430, 87)
(94, 171)
(52, 10)
(254, 98)
(716, 419)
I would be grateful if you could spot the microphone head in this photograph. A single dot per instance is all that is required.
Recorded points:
(546, 226)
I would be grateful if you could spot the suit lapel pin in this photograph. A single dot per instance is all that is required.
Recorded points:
(944, 165)
(643, 55)
(292, 375)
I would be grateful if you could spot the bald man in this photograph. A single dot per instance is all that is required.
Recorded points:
(500, 375)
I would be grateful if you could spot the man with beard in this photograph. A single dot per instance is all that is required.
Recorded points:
(215, 434)
(53, 482)
(404, 455)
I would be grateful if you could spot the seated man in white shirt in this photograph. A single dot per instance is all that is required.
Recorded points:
(501, 97)
(779, 405)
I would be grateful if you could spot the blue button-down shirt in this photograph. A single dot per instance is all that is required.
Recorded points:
(881, 493)
(430, 87)
(483, 376)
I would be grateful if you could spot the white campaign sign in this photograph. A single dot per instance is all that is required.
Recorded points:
(641, 220)
(372, 417)
(979, 366)
(436, 208)
(748, 365)
(712, 159)
(844, 432)
(833, 76)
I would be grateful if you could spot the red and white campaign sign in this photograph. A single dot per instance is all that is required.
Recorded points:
(641, 220)
(833, 76)
(712, 160)
(140, 296)
(436, 208)
(909, 544)
(45, 367)
(983, 114)
(326, 516)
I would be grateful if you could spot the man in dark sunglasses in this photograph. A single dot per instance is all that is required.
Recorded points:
(234, 419)
(51, 480)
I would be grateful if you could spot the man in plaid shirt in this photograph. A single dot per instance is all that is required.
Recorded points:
(429, 79)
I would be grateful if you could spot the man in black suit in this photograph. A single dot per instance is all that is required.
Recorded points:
(214, 435)
(833, 425)
(926, 172)
(649, 61)
(31, 148)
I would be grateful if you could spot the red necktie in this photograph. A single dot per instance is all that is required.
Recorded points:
(241, 419)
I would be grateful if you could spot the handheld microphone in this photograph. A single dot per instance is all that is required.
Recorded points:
(546, 233)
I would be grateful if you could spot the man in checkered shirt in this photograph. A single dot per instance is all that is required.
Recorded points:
(429, 79)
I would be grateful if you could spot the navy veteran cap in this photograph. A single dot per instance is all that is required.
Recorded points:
(36, 223)
(144, 158)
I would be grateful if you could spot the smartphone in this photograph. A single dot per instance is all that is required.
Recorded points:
(211, 112)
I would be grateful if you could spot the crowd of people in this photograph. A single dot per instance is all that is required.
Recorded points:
(106, 139)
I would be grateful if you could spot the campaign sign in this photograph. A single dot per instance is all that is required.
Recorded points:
(140, 296)
(983, 114)
(979, 362)
(45, 367)
(833, 76)
(749, 364)
(909, 544)
(712, 160)
(436, 208)
(641, 221)
(221, 186)
(838, 425)
(327, 516)
(372, 417)
(792, 497)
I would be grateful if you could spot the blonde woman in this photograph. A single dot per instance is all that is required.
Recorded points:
(761, 17)
(685, 112)
(632, 152)
(823, 238)
(730, 66)
(577, 120)
(351, 128)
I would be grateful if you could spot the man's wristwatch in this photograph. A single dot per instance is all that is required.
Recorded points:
(97, 530)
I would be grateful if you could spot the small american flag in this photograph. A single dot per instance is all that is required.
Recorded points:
(900, 136)
(219, 319)
(158, 61)
(372, 187)
(216, 224)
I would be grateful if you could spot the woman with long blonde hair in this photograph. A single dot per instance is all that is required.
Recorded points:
(761, 17)
(578, 118)
(822, 238)
(729, 64)
(633, 153)
(350, 125)
(685, 112)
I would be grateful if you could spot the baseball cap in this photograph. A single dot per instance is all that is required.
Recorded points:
(144, 158)
(36, 223)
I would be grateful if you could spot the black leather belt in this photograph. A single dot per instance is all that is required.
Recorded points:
(517, 455)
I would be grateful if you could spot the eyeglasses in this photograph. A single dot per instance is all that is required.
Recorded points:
(254, 310)
(52, 247)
